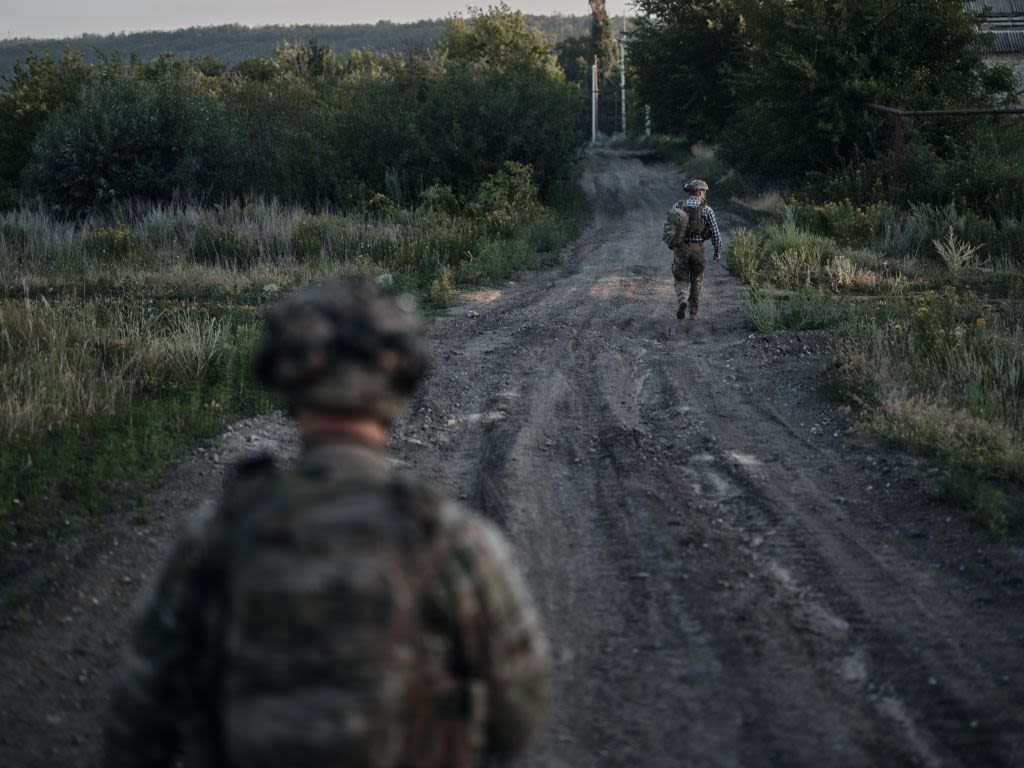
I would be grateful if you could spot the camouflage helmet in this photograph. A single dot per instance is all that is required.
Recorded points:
(349, 346)
(695, 185)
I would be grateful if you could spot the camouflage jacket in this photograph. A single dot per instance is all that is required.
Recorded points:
(481, 629)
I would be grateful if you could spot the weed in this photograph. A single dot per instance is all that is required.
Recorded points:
(843, 220)
(804, 310)
(839, 272)
(441, 289)
(955, 253)
(112, 244)
(985, 504)
(744, 255)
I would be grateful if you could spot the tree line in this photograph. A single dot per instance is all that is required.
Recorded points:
(233, 43)
(783, 87)
(304, 125)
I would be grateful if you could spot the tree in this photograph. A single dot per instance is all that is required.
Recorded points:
(602, 40)
(499, 39)
(814, 65)
(39, 89)
(684, 55)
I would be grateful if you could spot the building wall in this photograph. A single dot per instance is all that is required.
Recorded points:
(1015, 62)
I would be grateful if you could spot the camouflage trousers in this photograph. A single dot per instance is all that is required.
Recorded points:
(688, 271)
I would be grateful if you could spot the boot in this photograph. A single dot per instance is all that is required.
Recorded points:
(681, 312)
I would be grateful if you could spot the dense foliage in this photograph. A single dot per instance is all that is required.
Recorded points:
(685, 54)
(784, 85)
(305, 126)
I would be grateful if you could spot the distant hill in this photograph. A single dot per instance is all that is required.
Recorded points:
(234, 43)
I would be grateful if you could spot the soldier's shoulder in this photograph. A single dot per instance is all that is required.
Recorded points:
(427, 500)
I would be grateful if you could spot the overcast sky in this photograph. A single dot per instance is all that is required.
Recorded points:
(67, 18)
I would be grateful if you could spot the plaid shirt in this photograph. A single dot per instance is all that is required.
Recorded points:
(711, 233)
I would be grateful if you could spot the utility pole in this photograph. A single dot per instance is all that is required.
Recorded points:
(594, 93)
(622, 80)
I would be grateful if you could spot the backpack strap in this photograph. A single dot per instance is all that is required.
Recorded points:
(244, 483)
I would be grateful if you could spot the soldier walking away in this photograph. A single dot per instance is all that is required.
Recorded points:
(690, 222)
(339, 612)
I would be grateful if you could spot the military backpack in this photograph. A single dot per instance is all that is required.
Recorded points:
(684, 221)
(332, 652)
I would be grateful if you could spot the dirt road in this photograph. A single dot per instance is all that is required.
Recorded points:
(730, 575)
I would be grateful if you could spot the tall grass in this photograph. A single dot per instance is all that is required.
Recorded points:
(802, 310)
(126, 336)
(65, 360)
(944, 375)
(934, 368)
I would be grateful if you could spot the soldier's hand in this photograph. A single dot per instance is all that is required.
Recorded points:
(718, 257)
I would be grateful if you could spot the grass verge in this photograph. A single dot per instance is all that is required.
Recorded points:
(124, 340)
(938, 371)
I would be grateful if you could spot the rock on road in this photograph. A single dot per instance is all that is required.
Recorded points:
(729, 574)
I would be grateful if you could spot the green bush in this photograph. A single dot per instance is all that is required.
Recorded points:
(117, 244)
(219, 245)
(133, 137)
(844, 221)
(311, 237)
(442, 198)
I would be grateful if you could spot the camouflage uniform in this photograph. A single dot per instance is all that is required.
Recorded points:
(336, 613)
(689, 262)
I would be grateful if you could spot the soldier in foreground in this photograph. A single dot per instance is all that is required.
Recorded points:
(337, 613)
(690, 222)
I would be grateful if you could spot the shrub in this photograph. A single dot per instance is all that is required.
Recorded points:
(956, 254)
(843, 220)
(441, 197)
(133, 137)
(840, 272)
(381, 205)
(506, 198)
(743, 258)
(311, 237)
(116, 244)
(218, 245)
(440, 289)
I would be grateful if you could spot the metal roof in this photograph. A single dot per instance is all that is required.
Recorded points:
(996, 7)
(1006, 42)
(1003, 21)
